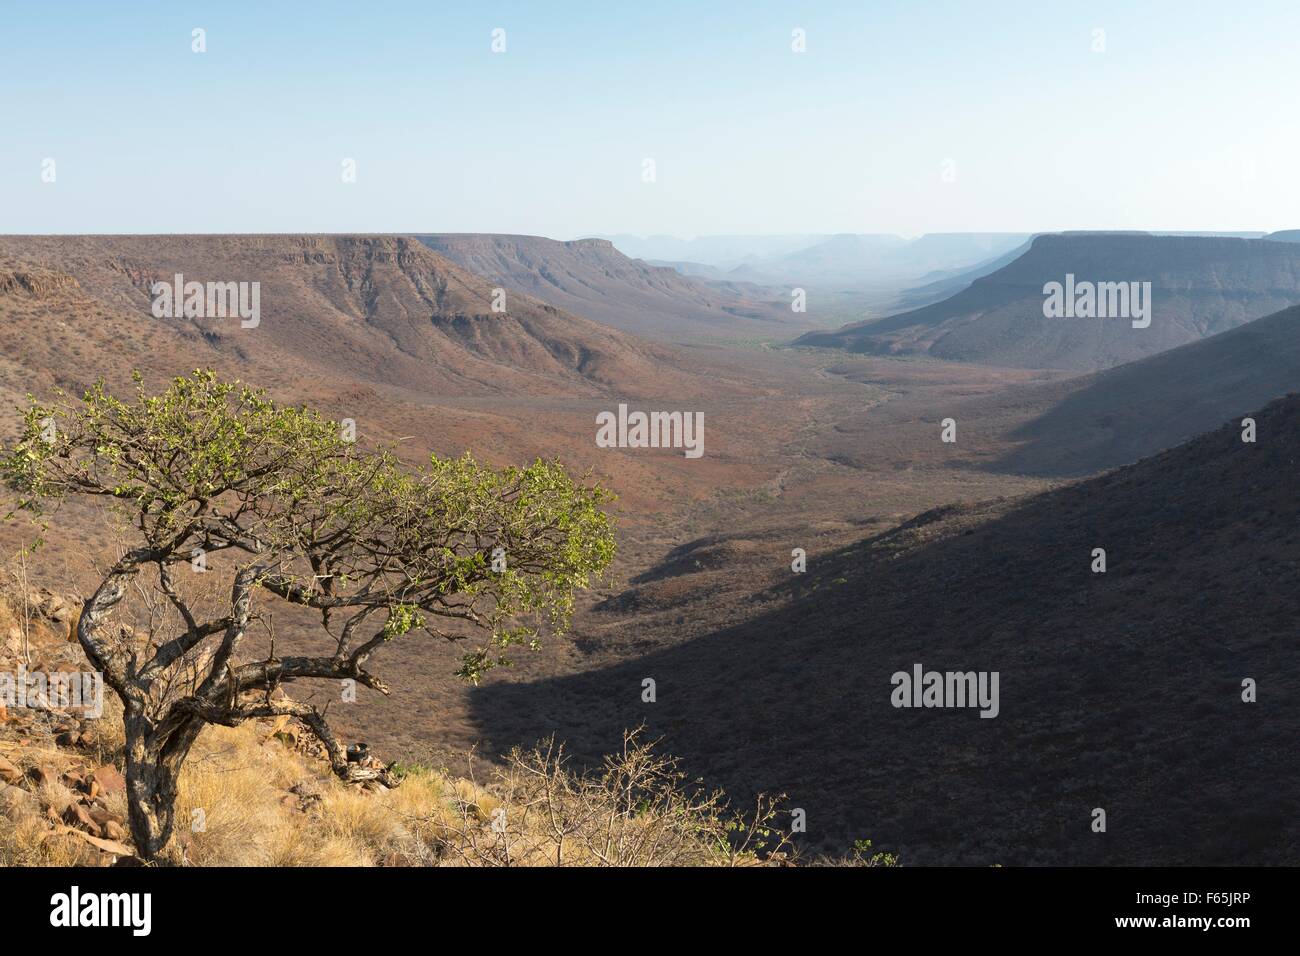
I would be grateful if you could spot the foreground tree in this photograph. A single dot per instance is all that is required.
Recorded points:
(275, 505)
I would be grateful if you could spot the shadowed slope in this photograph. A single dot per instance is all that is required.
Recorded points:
(1122, 414)
(1119, 690)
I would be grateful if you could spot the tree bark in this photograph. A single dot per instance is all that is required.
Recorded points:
(154, 756)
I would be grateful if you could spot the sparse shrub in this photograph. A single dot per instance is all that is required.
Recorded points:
(863, 854)
(639, 810)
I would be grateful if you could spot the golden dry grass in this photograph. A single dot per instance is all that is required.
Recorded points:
(248, 800)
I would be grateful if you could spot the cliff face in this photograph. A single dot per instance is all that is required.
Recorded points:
(592, 278)
(1199, 287)
(387, 310)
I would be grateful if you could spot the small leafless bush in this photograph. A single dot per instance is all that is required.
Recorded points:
(640, 809)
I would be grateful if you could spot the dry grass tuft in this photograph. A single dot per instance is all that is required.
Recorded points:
(247, 800)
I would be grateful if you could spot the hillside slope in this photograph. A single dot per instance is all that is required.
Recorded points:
(1200, 286)
(1119, 690)
(377, 329)
(1122, 414)
(592, 278)
(945, 285)
(380, 309)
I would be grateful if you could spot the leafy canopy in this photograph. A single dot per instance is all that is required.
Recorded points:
(209, 466)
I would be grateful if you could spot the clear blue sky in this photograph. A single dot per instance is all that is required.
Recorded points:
(1187, 121)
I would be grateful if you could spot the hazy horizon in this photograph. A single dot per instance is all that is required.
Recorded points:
(676, 237)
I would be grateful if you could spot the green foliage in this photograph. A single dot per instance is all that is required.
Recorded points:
(865, 855)
(217, 466)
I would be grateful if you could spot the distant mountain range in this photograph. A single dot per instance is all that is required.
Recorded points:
(591, 277)
(1199, 286)
(820, 261)
(949, 282)
(723, 252)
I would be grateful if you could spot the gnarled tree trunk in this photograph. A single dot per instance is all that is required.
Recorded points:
(154, 756)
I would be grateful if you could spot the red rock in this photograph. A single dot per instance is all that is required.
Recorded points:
(112, 830)
(108, 846)
(109, 779)
(9, 773)
(76, 816)
(99, 814)
(73, 780)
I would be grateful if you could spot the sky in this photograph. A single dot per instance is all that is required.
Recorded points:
(899, 117)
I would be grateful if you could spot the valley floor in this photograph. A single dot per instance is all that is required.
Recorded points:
(767, 680)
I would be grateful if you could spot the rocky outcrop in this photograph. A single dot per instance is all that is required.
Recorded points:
(37, 283)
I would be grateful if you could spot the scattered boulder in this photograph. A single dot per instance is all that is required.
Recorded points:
(97, 813)
(105, 821)
(108, 780)
(113, 830)
(60, 608)
(9, 774)
(14, 801)
(115, 847)
(78, 816)
(41, 775)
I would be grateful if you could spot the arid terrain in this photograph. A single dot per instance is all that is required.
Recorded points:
(1199, 286)
(1119, 690)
